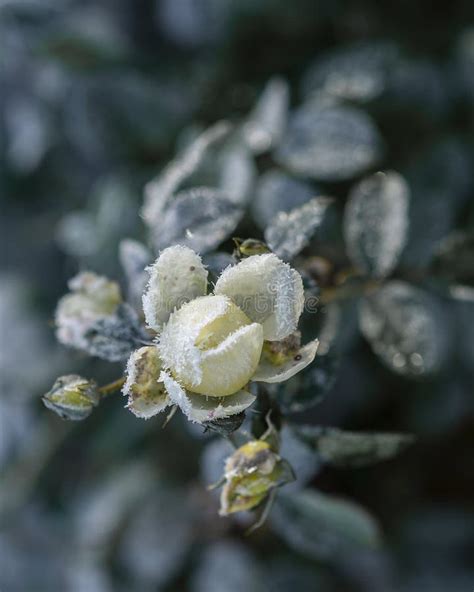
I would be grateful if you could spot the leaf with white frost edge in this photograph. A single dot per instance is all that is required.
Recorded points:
(268, 372)
(199, 408)
(376, 222)
(268, 290)
(289, 232)
(176, 277)
(159, 190)
(200, 218)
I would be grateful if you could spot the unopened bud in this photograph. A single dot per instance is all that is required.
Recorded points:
(250, 474)
(72, 397)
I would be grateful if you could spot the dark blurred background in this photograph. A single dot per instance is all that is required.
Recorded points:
(95, 97)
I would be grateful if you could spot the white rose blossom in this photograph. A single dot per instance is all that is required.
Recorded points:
(210, 346)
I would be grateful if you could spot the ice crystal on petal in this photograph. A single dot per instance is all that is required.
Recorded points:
(200, 409)
(176, 277)
(211, 346)
(268, 290)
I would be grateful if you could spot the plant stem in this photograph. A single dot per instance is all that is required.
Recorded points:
(112, 387)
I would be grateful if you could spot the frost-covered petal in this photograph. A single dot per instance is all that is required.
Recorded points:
(211, 346)
(147, 395)
(268, 372)
(268, 290)
(199, 408)
(229, 363)
(176, 277)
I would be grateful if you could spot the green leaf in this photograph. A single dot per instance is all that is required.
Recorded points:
(352, 449)
(322, 526)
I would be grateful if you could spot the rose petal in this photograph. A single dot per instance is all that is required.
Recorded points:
(147, 396)
(199, 408)
(268, 290)
(268, 372)
(176, 277)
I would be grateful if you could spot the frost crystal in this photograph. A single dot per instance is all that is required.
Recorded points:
(376, 222)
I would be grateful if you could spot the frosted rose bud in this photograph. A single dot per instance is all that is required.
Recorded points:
(211, 347)
(72, 397)
(92, 297)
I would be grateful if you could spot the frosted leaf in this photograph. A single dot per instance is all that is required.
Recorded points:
(268, 290)
(159, 190)
(200, 408)
(176, 277)
(376, 222)
(406, 328)
(134, 257)
(266, 123)
(237, 174)
(157, 538)
(288, 233)
(356, 73)
(268, 372)
(146, 395)
(92, 298)
(322, 526)
(115, 336)
(329, 143)
(278, 192)
(227, 567)
(211, 346)
(352, 449)
(199, 218)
